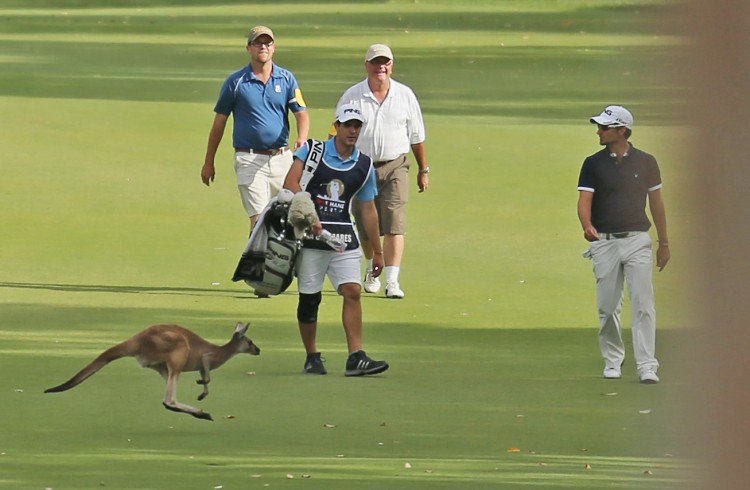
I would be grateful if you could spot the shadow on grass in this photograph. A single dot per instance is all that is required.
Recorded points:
(88, 4)
(486, 76)
(101, 288)
(467, 408)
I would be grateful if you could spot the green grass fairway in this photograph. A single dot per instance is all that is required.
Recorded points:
(495, 378)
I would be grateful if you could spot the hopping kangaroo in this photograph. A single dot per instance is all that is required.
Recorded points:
(170, 350)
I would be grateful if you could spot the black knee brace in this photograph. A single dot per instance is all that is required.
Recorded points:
(307, 307)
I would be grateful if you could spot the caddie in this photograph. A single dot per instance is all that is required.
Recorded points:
(342, 174)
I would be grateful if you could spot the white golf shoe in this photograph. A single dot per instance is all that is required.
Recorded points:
(648, 377)
(372, 284)
(612, 373)
(393, 291)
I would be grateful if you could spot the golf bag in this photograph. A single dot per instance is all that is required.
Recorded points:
(267, 264)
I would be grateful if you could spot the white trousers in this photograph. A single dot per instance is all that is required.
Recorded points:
(617, 260)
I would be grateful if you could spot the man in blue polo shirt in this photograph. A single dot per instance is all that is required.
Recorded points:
(259, 97)
(614, 185)
(343, 174)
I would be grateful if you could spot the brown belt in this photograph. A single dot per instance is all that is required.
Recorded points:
(272, 153)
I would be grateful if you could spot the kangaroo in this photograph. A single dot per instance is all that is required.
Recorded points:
(170, 350)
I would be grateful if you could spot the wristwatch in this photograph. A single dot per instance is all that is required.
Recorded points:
(425, 170)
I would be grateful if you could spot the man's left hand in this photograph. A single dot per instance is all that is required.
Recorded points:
(662, 256)
(423, 181)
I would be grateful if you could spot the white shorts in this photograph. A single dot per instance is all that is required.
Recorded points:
(314, 265)
(260, 177)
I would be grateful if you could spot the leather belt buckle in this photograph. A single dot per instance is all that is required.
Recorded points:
(271, 153)
(610, 236)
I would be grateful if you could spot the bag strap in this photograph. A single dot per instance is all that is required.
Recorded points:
(313, 159)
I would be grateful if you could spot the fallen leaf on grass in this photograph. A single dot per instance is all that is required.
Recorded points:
(610, 394)
(645, 412)
(329, 426)
(514, 450)
(647, 472)
(407, 466)
(587, 467)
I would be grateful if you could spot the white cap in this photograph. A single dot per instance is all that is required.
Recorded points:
(349, 112)
(377, 50)
(614, 115)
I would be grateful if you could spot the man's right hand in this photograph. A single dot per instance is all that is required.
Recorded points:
(590, 234)
(208, 172)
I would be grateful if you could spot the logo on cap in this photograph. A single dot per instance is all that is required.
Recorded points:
(614, 115)
(348, 112)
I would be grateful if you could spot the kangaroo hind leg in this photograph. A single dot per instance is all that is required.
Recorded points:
(170, 397)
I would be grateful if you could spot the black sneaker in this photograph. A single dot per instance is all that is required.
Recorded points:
(358, 364)
(314, 364)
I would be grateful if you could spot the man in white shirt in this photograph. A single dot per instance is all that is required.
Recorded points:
(393, 126)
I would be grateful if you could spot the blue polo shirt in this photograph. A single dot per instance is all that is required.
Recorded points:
(620, 189)
(260, 111)
(331, 157)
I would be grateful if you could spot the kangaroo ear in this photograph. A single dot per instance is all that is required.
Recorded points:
(242, 328)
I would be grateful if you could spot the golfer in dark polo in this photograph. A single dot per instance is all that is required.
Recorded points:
(614, 186)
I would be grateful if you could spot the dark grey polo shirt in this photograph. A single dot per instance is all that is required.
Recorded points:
(620, 189)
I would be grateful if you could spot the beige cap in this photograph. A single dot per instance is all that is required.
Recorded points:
(377, 50)
(258, 31)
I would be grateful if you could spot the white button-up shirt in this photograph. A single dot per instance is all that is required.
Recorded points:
(390, 128)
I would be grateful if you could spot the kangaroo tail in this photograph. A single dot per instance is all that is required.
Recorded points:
(113, 353)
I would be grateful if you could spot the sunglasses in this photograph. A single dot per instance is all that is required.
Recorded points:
(380, 60)
(602, 127)
(258, 44)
